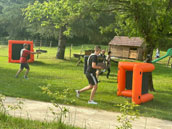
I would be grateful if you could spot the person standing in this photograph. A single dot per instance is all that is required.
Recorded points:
(103, 56)
(157, 53)
(108, 59)
(24, 53)
(91, 75)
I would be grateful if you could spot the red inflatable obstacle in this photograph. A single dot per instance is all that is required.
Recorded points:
(133, 81)
(14, 48)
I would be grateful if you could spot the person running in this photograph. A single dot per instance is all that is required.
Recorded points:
(103, 59)
(108, 59)
(24, 53)
(91, 75)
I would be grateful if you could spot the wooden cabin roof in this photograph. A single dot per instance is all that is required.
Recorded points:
(126, 41)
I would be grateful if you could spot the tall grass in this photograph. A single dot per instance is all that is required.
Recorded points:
(8, 122)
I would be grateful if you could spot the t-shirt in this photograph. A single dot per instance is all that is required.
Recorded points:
(23, 55)
(92, 58)
(157, 52)
(108, 59)
(102, 58)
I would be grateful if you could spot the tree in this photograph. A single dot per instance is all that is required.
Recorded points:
(12, 22)
(70, 18)
(91, 24)
(149, 19)
(57, 13)
(92, 20)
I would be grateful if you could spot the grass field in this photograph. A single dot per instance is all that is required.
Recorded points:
(7, 122)
(62, 74)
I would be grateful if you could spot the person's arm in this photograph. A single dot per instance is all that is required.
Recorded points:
(94, 66)
(35, 52)
(107, 57)
(94, 63)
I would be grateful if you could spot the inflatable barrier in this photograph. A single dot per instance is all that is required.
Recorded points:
(14, 48)
(133, 81)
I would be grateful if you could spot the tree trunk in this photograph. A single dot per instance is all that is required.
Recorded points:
(149, 54)
(61, 44)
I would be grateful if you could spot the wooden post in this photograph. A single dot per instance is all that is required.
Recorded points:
(34, 45)
(40, 43)
(107, 50)
(50, 44)
(38, 54)
(39, 47)
(70, 51)
(81, 50)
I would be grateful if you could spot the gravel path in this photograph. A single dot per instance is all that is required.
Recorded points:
(81, 117)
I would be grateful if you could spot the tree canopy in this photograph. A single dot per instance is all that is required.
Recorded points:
(69, 18)
(95, 20)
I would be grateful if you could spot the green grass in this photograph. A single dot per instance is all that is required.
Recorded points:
(8, 122)
(61, 74)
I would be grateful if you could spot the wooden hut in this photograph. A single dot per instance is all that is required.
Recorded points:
(125, 47)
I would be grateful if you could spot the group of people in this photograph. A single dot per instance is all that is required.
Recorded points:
(92, 68)
(105, 60)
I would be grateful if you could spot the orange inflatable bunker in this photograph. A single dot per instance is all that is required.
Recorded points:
(14, 48)
(133, 81)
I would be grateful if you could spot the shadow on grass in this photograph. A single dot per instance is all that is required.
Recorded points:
(101, 103)
(37, 63)
(61, 65)
(164, 92)
(161, 69)
(107, 81)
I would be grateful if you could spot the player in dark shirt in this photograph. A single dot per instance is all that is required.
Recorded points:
(102, 60)
(23, 60)
(91, 75)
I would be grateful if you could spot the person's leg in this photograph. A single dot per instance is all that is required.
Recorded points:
(85, 88)
(18, 72)
(90, 81)
(27, 70)
(93, 91)
(108, 73)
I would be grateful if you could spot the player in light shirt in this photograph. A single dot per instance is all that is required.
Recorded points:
(23, 60)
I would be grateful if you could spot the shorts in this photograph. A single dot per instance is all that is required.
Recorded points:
(92, 78)
(24, 65)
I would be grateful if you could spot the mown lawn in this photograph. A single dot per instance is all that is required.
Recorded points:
(62, 74)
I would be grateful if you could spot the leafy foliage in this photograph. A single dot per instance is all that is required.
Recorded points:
(149, 19)
(129, 113)
(56, 95)
(12, 22)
